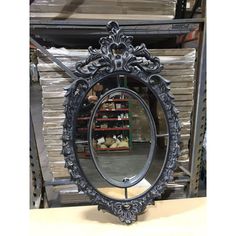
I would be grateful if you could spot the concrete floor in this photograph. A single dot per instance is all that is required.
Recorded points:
(122, 164)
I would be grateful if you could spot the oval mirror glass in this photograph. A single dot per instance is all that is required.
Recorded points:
(122, 137)
(127, 161)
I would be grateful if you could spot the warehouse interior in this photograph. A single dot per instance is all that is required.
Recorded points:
(61, 33)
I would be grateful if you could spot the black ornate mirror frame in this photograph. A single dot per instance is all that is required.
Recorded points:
(117, 56)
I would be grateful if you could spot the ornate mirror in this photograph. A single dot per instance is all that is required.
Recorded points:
(121, 131)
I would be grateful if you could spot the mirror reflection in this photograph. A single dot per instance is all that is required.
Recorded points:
(121, 137)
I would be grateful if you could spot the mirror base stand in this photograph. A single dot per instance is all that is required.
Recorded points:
(127, 211)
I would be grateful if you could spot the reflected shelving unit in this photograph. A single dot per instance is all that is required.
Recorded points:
(111, 119)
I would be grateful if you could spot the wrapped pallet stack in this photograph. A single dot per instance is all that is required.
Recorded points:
(103, 9)
(178, 68)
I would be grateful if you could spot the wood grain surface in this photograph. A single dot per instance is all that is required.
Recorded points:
(182, 217)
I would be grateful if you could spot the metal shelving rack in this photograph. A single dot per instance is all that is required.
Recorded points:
(44, 33)
(37, 188)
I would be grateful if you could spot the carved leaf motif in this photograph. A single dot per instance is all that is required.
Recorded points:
(106, 57)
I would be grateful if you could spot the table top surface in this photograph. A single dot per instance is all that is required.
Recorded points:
(167, 217)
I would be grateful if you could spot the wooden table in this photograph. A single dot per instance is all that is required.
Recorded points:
(168, 217)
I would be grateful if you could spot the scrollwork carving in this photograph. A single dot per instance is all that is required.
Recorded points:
(117, 54)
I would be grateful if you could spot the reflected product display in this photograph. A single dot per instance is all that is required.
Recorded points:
(121, 131)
